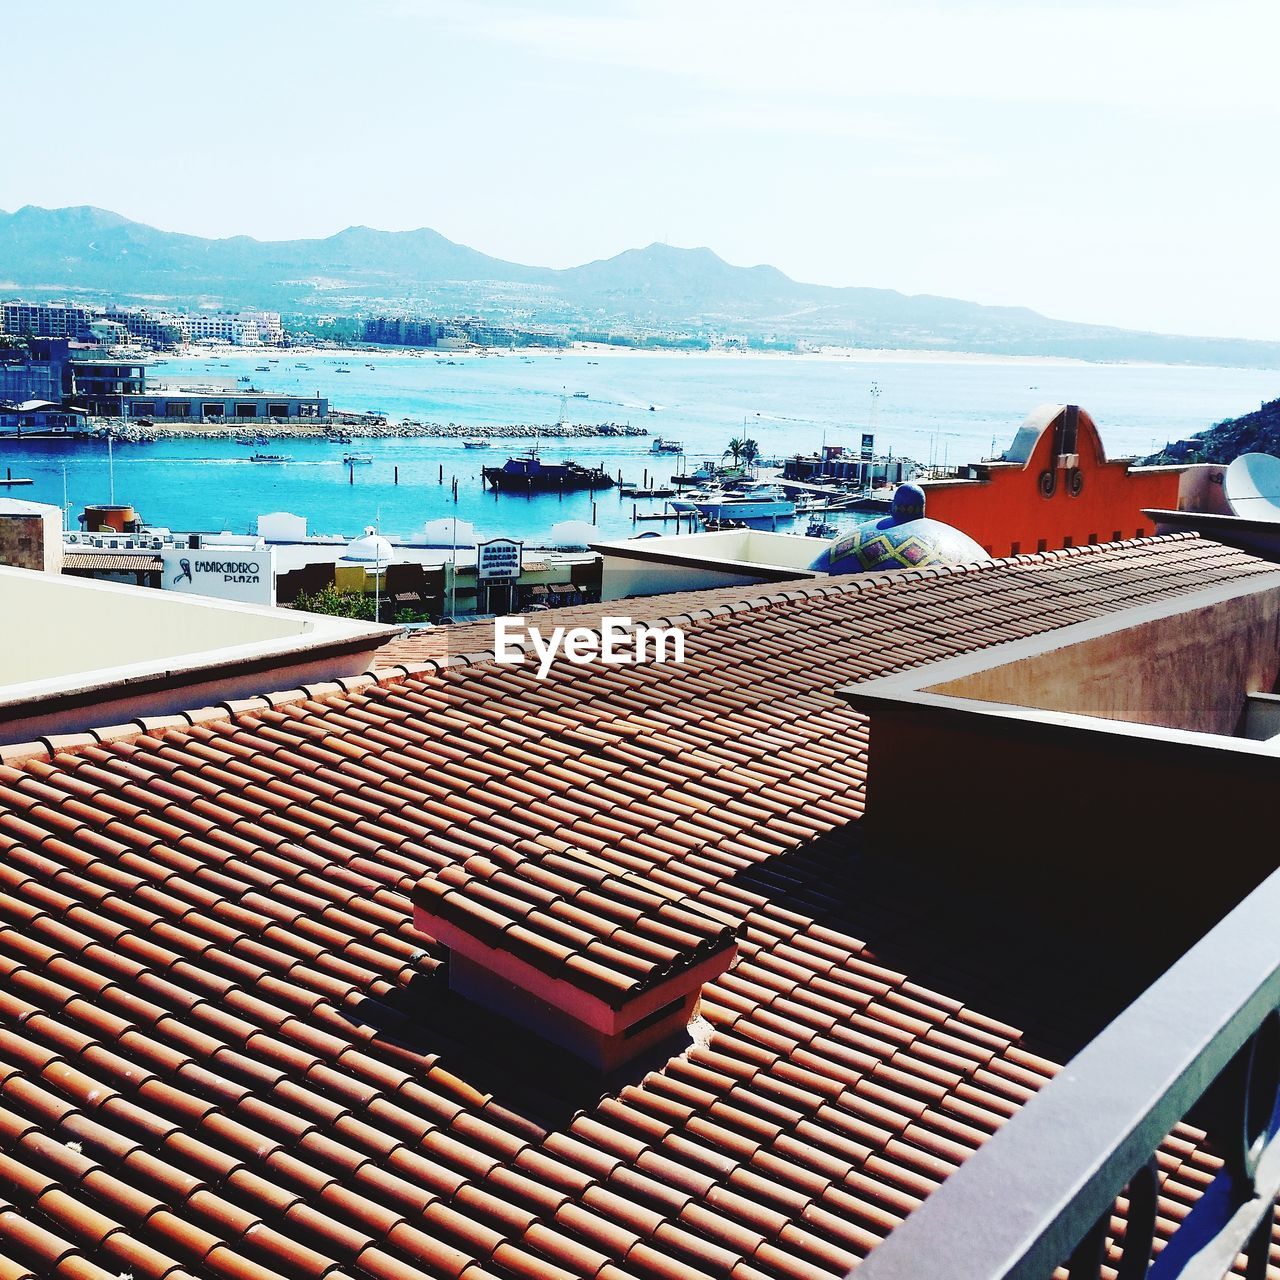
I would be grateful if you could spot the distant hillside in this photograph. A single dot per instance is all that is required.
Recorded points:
(659, 289)
(1257, 432)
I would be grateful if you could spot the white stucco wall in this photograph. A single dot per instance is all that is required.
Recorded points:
(694, 561)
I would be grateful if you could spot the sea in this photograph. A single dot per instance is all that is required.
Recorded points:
(936, 410)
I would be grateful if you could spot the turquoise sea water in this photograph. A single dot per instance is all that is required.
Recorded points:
(931, 410)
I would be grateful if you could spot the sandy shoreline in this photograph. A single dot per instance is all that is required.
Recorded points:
(856, 355)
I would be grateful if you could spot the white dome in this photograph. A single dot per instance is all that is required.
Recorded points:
(370, 548)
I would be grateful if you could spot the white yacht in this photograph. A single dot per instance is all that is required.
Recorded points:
(758, 502)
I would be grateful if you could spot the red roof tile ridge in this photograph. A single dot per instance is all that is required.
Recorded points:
(46, 748)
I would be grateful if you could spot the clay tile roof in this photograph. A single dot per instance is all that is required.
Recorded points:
(225, 1050)
(106, 560)
(599, 926)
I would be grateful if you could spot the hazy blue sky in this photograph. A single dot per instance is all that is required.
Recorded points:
(1113, 162)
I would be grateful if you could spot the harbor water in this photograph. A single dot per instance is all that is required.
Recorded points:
(933, 410)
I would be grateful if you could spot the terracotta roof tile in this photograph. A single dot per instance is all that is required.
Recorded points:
(225, 1050)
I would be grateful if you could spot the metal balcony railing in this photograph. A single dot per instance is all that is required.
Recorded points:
(1039, 1194)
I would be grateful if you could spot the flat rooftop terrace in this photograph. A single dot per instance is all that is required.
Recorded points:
(76, 654)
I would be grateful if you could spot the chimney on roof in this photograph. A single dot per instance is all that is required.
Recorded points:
(576, 949)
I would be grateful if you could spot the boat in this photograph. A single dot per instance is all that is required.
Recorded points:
(527, 473)
(639, 491)
(820, 528)
(666, 446)
(753, 502)
(338, 437)
(244, 378)
(341, 370)
(709, 473)
(262, 368)
(580, 395)
(475, 442)
(357, 459)
(270, 457)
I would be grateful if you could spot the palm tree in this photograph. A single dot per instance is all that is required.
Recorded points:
(734, 450)
(750, 452)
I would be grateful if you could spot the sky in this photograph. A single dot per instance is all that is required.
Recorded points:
(1111, 162)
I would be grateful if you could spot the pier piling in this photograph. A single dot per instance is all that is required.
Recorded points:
(397, 476)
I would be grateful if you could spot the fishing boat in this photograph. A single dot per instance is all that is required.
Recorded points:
(476, 442)
(338, 437)
(527, 473)
(661, 445)
(270, 457)
(357, 459)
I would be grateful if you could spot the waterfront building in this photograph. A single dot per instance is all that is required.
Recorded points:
(154, 325)
(47, 320)
(836, 464)
(238, 328)
(319, 976)
(157, 328)
(403, 331)
(101, 386)
(34, 369)
(163, 405)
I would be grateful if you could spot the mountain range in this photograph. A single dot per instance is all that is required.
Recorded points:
(98, 255)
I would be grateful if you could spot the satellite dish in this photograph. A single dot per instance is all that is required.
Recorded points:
(1252, 486)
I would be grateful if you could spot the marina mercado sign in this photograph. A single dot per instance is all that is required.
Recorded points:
(499, 559)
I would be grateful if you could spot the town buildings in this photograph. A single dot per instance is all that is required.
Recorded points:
(156, 326)
(258, 955)
(61, 383)
(46, 320)
(414, 579)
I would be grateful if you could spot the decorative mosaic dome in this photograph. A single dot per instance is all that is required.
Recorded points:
(905, 539)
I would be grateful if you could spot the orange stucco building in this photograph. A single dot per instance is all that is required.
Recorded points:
(1055, 488)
